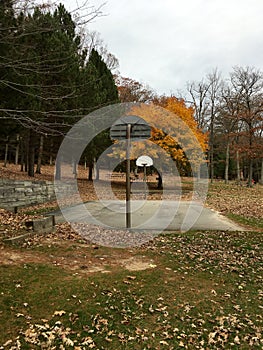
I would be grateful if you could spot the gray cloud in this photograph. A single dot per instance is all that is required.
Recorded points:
(166, 43)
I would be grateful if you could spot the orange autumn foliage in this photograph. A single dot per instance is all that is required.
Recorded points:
(175, 137)
(179, 108)
(174, 130)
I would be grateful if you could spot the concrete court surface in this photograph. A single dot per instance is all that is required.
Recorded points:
(148, 215)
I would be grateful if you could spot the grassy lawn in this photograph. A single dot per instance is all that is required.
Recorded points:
(200, 290)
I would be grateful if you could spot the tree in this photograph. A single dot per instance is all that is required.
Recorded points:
(181, 139)
(48, 70)
(105, 80)
(215, 82)
(205, 98)
(227, 125)
(247, 83)
(199, 95)
(101, 91)
(186, 114)
(49, 78)
(131, 90)
(261, 172)
(92, 40)
(40, 41)
(8, 27)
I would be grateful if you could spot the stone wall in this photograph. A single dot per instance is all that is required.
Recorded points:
(17, 193)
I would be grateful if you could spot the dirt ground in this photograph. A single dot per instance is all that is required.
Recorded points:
(71, 252)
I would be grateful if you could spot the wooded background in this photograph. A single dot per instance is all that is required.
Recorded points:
(54, 71)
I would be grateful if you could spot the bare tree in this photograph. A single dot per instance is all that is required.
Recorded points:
(261, 160)
(215, 84)
(248, 84)
(228, 123)
(199, 95)
(205, 98)
(92, 40)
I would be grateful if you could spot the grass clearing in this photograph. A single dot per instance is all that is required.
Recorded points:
(201, 290)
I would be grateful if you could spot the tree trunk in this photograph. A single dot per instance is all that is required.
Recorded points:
(17, 149)
(40, 154)
(160, 181)
(22, 161)
(261, 175)
(250, 166)
(51, 152)
(6, 151)
(212, 164)
(211, 149)
(97, 170)
(58, 169)
(31, 155)
(22, 151)
(227, 162)
(250, 172)
(31, 164)
(26, 145)
(238, 167)
(74, 170)
(90, 172)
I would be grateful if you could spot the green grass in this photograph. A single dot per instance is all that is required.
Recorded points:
(251, 222)
(205, 292)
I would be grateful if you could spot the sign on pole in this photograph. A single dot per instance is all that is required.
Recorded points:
(140, 129)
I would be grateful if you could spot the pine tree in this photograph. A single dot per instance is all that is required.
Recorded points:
(104, 88)
(100, 91)
(47, 74)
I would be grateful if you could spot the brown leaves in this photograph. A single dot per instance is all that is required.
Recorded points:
(50, 335)
(239, 200)
(12, 223)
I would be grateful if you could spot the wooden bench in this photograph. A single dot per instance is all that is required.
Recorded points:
(115, 175)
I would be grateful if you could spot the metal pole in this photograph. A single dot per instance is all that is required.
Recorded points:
(144, 179)
(128, 183)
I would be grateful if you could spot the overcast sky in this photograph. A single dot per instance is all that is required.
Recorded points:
(165, 43)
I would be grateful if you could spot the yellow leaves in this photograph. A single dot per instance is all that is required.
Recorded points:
(174, 128)
(186, 114)
(174, 131)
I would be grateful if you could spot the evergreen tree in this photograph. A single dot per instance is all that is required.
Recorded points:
(47, 75)
(102, 87)
(100, 90)
(8, 27)
(46, 81)
(7, 32)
